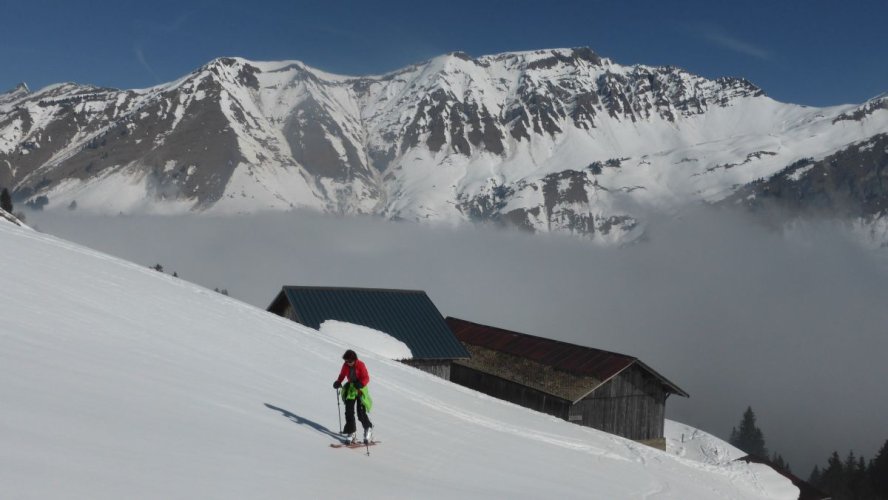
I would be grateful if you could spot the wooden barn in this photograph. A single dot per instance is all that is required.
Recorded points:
(605, 390)
(407, 315)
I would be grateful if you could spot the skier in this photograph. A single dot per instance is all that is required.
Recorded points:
(354, 393)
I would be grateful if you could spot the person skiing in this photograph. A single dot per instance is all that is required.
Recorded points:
(354, 393)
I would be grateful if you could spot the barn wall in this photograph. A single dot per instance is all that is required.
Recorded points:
(632, 405)
(509, 391)
(289, 313)
(438, 368)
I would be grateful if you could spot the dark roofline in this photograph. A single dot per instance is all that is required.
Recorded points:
(663, 379)
(273, 307)
(629, 360)
(537, 337)
(407, 315)
(365, 289)
(282, 295)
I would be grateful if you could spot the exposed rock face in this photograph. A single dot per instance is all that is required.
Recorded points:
(865, 110)
(852, 182)
(567, 203)
(551, 140)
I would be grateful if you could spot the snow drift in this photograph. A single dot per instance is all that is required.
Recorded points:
(366, 339)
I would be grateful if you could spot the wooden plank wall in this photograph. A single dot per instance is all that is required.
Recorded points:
(632, 405)
(289, 313)
(438, 368)
(509, 391)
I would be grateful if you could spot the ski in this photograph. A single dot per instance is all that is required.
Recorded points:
(357, 444)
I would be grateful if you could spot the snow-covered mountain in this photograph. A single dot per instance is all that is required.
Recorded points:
(121, 382)
(851, 183)
(551, 140)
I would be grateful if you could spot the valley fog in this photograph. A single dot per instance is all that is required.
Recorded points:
(791, 322)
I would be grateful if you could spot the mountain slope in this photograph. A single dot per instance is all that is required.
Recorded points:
(552, 140)
(852, 182)
(124, 382)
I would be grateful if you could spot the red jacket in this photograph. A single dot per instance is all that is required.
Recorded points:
(361, 374)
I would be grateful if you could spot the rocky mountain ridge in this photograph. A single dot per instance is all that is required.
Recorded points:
(552, 140)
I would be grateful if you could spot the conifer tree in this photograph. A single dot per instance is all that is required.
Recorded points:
(855, 475)
(878, 472)
(6, 201)
(814, 478)
(748, 437)
(862, 484)
(832, 480)
(779, 463)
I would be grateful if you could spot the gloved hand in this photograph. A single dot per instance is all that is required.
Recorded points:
(337, 385)
(358, 385)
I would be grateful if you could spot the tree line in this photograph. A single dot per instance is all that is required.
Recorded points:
(853, 478)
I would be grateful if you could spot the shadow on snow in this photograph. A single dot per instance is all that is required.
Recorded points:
(304, 421)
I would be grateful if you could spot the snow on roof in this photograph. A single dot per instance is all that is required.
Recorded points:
(363, 339)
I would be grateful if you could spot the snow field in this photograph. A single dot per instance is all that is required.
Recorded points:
(122, 382)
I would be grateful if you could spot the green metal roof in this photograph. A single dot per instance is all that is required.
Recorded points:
(407, 315)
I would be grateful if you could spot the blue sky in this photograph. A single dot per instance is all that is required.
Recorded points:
(808, 52)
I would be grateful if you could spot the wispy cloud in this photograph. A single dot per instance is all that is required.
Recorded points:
(140, 56)
(722, 38)
(148, 33)
(176, 23)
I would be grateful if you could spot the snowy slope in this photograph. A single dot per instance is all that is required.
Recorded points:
(687, 442)
(121, 382)
(693, 444)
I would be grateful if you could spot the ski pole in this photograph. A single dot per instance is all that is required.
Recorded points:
(339, 411)
(366, 441)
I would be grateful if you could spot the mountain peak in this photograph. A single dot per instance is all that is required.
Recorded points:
(548, 58)
(233, 69)
(20, 90)
(460, 55)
